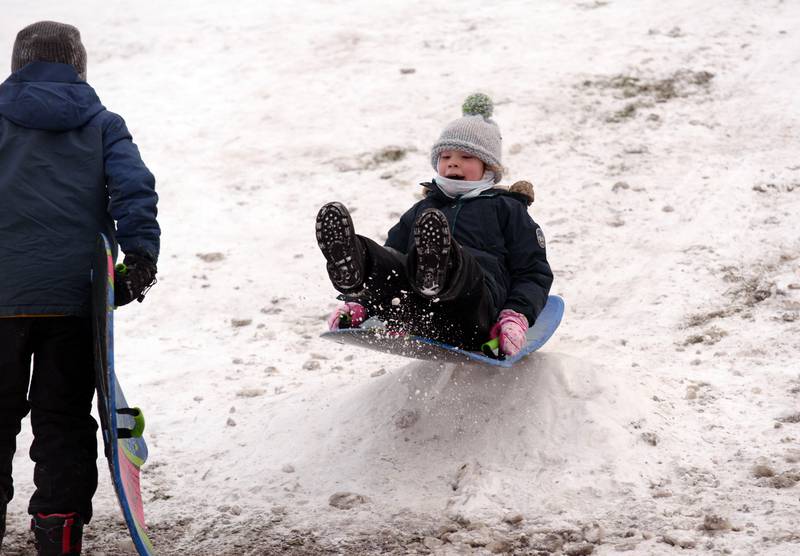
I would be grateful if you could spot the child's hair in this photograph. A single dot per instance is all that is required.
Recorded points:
(496, 168)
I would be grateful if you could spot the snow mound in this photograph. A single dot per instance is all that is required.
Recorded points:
(551, 433)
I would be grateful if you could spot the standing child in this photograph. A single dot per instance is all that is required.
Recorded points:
(68, 170)
(465, 264)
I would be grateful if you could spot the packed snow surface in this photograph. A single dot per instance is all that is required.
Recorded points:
(662, 141)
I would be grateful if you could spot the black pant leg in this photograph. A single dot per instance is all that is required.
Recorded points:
(15, 366)
(464, 312)
(64, 448)
(462, 315)
(385, 284)
(385, 271)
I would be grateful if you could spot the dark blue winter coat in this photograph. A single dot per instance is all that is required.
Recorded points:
(497, 231)
(68, 170)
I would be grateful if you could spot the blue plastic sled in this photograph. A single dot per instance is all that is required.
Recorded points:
(372, 335)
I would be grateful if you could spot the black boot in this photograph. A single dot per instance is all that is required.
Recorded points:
(433, 243)
(2, 524)
(57, 534)
(340, 246)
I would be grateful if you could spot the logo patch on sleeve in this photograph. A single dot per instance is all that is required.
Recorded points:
(540, 237)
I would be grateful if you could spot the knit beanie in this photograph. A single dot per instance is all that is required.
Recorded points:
(474, 133)
(49, 41)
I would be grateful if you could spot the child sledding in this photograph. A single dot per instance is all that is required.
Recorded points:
(465, 264)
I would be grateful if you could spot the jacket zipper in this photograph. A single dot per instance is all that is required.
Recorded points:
(459, 204)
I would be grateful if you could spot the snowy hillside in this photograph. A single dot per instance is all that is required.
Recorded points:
(662, 140)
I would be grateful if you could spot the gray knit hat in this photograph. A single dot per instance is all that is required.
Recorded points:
(474, 133)
(49, 41)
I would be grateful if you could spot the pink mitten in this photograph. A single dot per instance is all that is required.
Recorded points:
(510, 329)
(354, 314)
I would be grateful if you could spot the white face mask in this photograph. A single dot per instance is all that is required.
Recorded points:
(465, 189)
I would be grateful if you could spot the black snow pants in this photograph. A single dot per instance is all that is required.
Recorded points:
(461, 315)
(58, 395)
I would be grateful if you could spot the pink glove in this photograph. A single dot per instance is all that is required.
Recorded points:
(356, 314)
(510, 328)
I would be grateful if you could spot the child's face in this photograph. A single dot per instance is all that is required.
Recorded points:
(459, 165)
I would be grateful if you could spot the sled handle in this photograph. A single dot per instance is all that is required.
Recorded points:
(492, 349)
(345, 320)
(120, 268)
(138, 423)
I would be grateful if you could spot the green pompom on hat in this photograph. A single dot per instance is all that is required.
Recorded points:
(475, 133)
(478, 104)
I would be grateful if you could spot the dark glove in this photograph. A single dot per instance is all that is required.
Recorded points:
(134, 279)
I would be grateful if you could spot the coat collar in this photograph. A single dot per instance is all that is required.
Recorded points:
(432, 190)
(45, 71)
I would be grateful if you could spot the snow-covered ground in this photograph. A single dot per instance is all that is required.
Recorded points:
(662, 139)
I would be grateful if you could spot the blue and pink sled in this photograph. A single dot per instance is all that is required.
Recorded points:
(122, 426)
(373, 335)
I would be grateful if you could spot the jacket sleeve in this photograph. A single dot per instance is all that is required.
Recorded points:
(531, 276)
(131, 190)
(399, 236)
